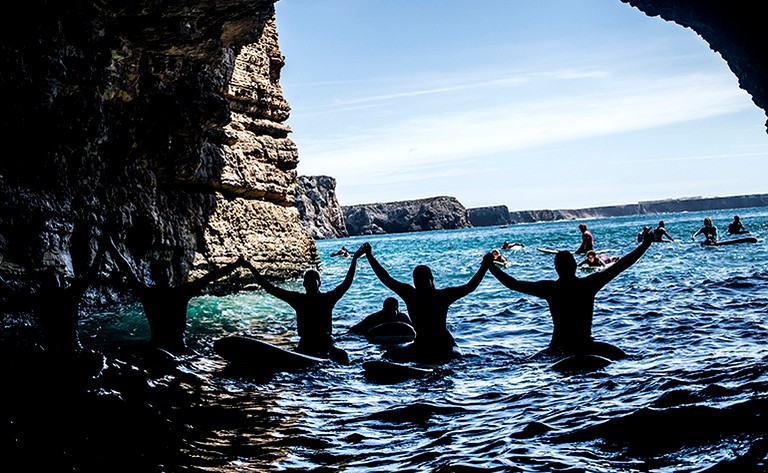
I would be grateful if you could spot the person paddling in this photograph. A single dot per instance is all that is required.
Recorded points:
(428, 309)
(571, 302)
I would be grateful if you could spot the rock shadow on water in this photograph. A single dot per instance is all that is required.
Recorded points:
(417, 413)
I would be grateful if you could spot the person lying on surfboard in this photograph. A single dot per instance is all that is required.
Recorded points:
(390, 312)
(314, 311)
(571, 301)
(597, 261)
(428, 309)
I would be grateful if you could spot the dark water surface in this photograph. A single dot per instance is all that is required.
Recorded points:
(692, 396)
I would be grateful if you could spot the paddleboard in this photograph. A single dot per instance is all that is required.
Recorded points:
(391, 333)
(731, 242)
(254, 354)
(576, 363)
(391, 372)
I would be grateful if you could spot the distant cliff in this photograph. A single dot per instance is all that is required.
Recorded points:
(436, 213)
(489, 216)
(319, 209)
(687, 204)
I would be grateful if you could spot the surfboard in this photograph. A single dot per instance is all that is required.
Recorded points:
(575, 363)
(548, 251)
(731, 242)
(391, 333)
(256, 355)
(391, 372)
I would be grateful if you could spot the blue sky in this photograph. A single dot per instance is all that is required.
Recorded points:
(550, 104)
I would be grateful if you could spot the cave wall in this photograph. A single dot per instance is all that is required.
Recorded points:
(162, 122)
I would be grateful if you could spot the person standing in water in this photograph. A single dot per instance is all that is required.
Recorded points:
(571, 302)
(165, 301)
(708, 230)
(587, 241)
(428, 309)
(314, 311)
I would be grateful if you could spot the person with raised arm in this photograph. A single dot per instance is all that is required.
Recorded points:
(165, 301)
(314, 311)
(428, 308)
(571, 301)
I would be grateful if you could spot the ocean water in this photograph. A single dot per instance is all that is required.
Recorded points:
(691, 396)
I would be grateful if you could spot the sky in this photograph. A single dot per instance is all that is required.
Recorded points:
(547, 104)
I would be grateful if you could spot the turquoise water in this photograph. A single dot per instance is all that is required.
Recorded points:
(689, 397)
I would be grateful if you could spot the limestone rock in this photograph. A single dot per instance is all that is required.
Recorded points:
(319, 208)
(436, 213)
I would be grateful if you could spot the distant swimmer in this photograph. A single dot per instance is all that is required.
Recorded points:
(498, 258)
(343, 252)
(390, 312)
(594, 260)
(708, 230)
(314, 311)
(660, 232)
(428, 309)
(736, 227)
(587, 241)
(571, 302)
(509, 246)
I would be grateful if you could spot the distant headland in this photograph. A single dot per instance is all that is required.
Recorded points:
(447, 213)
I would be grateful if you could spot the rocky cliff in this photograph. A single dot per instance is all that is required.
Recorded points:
(691, 204)
(319, 209)
(436, 213)
(160, 123)
(488, 216)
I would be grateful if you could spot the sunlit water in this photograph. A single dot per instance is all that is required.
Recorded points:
(692, 394)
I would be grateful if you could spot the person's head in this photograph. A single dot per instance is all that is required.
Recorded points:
(160, 272)
(422, 277)
(391, 304)
(311, 281)
(735, 218)
(707, 222)
(591, 255)
(565, 265)
(661, 223)
(583, 227)
(495, 253)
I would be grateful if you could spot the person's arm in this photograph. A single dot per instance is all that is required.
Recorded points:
(603, 277)
(537, 288)
(668, 235)
(347, 282)
(394, 285)
(458, 292)
(268, 287)
(124, 265)
(197, 286)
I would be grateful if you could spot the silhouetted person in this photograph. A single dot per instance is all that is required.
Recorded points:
(314, 311)
(640, 235)
(736, 227)
(587, 241)
(708, 230)
(390, 312)
(428, 309)
(343, 252)
(571, 302)
(56, 303)
(660, 232)
(165, 301)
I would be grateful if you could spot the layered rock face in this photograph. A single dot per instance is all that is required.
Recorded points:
(488, 216)
(319, 208)
(436, 213)
(159, 123)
